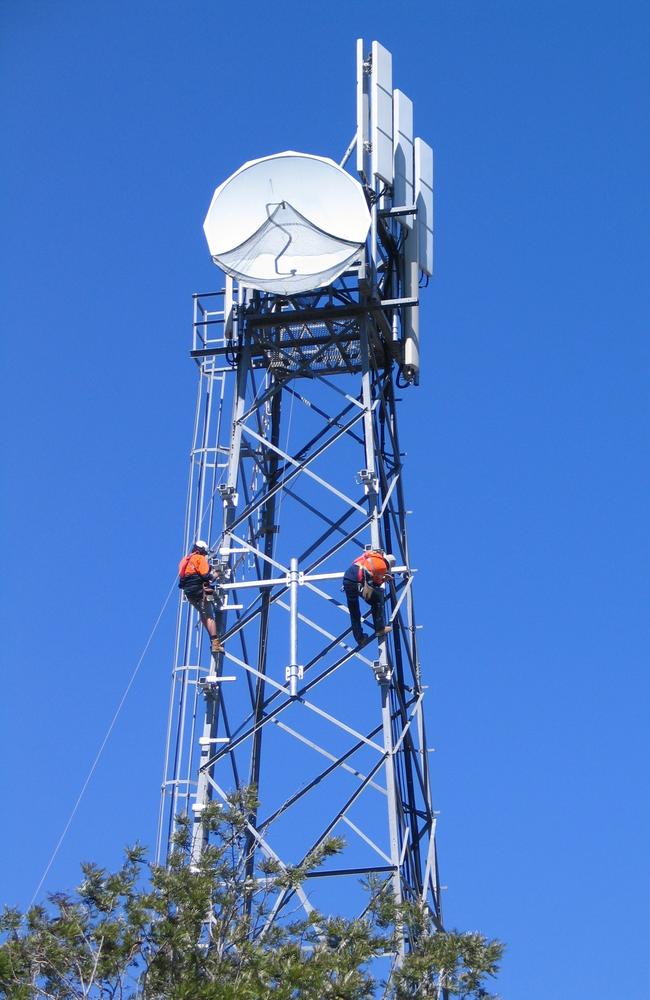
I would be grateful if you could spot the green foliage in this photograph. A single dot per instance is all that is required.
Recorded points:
(201, 932)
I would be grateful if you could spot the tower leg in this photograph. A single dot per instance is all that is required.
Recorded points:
(327, 756)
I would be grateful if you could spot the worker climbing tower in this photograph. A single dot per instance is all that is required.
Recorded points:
(296, 467)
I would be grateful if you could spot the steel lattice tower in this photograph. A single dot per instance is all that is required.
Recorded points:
(295, 467)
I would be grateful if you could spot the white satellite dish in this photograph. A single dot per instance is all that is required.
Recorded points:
(287, 223)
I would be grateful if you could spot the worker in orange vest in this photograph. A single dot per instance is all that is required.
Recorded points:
(365, 578)
(195, 580)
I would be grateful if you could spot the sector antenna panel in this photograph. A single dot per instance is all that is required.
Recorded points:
(287, 223)
(423, 155)
(403, 153)
(381, 113)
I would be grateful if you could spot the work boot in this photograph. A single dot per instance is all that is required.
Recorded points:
(384, 631)
(361, 638)
(216, 646)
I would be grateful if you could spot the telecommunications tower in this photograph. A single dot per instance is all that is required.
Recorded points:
(296, 467)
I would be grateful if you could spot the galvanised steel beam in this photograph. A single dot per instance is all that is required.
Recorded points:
(276, 486)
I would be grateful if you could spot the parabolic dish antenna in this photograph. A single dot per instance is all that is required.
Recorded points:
(287, 223)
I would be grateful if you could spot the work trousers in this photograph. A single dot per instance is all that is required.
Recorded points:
(376, 602)
(203, 605)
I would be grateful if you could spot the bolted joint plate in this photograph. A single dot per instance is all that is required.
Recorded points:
(382, 672)
(368, 480)
(228, 495)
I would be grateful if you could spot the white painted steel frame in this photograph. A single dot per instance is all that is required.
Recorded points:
(208, 731)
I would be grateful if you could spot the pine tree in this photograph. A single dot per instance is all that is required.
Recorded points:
(201, 932)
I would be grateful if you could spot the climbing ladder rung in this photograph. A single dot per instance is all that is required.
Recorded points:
(205, 741)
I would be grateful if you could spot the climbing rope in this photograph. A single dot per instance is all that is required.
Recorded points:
(99, 753)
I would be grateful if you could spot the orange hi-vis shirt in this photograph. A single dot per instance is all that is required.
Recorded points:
(193, 564)
(374, 564)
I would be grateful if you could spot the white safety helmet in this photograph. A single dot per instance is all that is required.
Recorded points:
(390, 559)
(200, 544)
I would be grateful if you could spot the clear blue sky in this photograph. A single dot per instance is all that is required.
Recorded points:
(527, 440)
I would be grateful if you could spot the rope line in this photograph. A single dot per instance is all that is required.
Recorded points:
(129, 685)
(103, 744)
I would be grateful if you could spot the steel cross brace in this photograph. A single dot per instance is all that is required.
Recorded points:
(263, 465)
